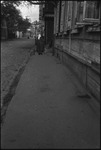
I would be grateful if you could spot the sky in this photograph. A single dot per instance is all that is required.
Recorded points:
(31, 12)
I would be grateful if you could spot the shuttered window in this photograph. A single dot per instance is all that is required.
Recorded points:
(66, 16)
(57, 18)
(88, 11)
(69, 14)
(62, 16)
(74, 14)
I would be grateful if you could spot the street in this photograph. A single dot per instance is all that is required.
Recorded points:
(47, 110)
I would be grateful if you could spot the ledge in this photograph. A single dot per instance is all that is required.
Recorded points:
(82, 60)
(93, 29)
(74, 31)
(96, 67)
(83, 23)
(64, 32)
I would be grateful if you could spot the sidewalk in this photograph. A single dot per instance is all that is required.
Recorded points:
(46, 111)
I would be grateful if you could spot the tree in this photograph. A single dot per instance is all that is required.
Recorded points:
(13, 17)
(23, 24)
(10, 13)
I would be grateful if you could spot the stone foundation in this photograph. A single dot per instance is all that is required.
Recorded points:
(89, 76)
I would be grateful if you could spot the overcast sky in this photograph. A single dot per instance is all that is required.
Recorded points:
(31, 12)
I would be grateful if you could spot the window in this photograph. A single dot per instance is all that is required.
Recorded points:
(74, 14)
(85, 12)
(66, 15)
(88, 11)
(69, 14)
(63, 16)
(91, 11)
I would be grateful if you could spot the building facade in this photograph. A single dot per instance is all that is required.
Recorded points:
(46, 18)
(77, 40)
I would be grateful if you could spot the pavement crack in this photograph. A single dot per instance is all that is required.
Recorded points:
(84, 96)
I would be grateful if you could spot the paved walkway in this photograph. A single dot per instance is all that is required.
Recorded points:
(46, 111)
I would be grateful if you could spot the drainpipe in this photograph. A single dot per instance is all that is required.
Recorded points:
(83, 51)
(62, 49)
(62, 54)
(53, 45)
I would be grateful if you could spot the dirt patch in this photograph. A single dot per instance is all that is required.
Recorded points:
(7, 98)
(14, 57)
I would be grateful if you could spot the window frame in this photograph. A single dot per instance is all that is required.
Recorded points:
(89, 19)
(85, 21)
(69, 24)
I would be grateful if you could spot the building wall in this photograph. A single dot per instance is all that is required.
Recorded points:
(49, 22)
(49, 27)
(18, 34)
(77, 41)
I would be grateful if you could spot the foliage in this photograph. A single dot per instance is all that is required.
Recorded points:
(13, 16)
(23, 24)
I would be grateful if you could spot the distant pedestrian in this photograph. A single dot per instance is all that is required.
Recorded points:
(36, 43)
(40, 45)
(51, 43)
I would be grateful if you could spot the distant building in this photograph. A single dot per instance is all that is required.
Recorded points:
(18, 34)
(4, 34)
